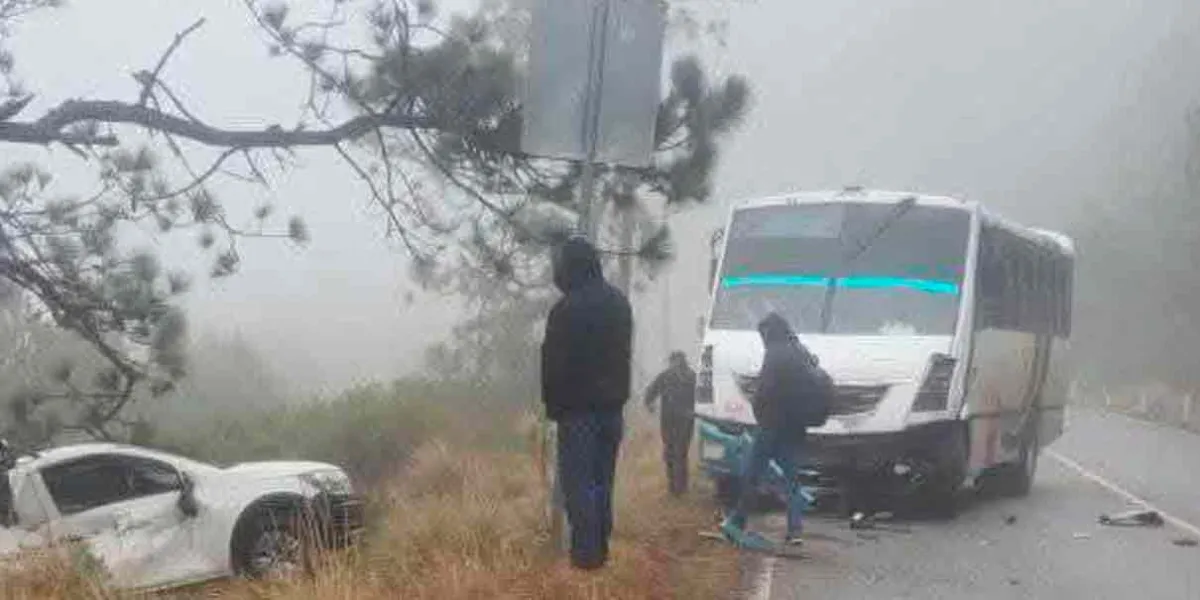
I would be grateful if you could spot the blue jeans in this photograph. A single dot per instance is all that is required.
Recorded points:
(587, 464)
(784, 447)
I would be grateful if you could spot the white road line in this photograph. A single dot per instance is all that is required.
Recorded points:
(1120, 491)
(766, 576)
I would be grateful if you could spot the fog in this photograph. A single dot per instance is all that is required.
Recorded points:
(1051, 112)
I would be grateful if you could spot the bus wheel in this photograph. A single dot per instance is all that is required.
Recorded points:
(1016, 480)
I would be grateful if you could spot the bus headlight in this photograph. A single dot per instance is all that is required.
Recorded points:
(934, 394)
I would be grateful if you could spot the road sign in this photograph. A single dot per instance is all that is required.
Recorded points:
(595, 78)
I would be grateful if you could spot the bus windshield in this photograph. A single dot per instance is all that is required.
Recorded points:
(781, 258)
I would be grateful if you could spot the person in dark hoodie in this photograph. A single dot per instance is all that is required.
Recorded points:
(677, 388)
(586, 356)
(778, 403)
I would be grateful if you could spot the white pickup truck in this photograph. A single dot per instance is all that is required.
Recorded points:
(156, 520)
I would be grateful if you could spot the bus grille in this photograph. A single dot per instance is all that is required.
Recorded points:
(847, 399)
(855, 399)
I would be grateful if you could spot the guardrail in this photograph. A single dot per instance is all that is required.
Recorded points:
(1155, 403)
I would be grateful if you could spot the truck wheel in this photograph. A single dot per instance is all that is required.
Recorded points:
(1016, 480)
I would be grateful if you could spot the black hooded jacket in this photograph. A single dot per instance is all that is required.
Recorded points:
(589, 335)
(783, 384)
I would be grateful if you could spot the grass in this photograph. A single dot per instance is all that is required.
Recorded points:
(467, 520)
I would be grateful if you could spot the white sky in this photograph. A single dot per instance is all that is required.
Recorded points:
(1002, 101)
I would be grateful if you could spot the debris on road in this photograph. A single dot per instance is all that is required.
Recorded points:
(1133, 518)
(1186, 542)
(1010, 520)
(1082, 536)
(861, 521)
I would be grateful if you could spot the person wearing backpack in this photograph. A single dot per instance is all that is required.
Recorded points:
(792, 394)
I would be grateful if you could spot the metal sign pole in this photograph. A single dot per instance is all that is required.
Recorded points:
(570, 46)
(589, 217)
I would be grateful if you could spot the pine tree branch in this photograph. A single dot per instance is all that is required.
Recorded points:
(52, 127)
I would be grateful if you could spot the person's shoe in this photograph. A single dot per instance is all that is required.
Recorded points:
(792, 538)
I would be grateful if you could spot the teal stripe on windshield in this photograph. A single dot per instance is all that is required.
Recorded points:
(923, 285)
(777, 280)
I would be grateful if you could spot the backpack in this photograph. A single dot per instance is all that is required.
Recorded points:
(819, 401)
(811, 398)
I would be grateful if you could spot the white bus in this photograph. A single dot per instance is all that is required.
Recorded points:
(944, 327)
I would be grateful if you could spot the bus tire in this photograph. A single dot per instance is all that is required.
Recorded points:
(1016, 480)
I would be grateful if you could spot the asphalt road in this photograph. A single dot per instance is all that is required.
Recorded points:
(1047, 545)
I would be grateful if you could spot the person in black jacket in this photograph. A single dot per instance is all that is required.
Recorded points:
(778, 408)
(585, 384)
(677, 388)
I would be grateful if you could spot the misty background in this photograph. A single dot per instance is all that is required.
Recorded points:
(1069, 114)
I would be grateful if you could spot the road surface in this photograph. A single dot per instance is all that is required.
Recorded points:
(1053, 549)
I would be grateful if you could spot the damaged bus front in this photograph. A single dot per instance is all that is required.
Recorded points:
(943, 327)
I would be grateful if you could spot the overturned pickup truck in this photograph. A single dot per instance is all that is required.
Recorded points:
(156, 520)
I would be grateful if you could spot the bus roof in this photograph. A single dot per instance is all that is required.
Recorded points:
(857, 194)
(852, 194)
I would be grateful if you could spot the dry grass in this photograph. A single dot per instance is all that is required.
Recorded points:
(466, 524)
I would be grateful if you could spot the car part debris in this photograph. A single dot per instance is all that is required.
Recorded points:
(1133, 518)
(1186, 542)
(861, 521)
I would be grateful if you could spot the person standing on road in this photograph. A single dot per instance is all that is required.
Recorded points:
(586, 360)
(785, 385)
(677, 388)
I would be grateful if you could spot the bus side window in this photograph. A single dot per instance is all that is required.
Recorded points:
(992, 282)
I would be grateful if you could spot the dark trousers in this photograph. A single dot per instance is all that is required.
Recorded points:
(587, 464)
(784, 448)
(677, 440)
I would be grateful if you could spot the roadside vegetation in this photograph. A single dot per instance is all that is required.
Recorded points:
(458, 501)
